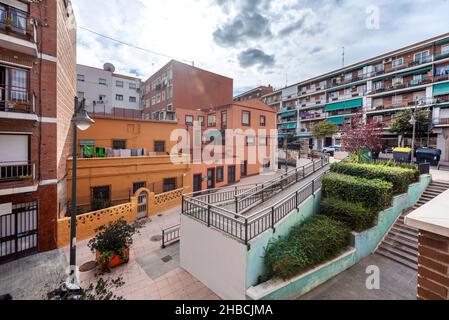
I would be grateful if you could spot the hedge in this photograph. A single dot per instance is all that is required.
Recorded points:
(401, 178)
(372, 193)
(317, 240)
(401, 165)
(353, 214)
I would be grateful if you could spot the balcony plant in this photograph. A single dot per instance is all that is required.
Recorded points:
(112, 243)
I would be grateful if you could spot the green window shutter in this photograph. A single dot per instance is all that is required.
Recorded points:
(336, 120)
(355, 103)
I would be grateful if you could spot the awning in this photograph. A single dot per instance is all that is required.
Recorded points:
(303, 134)
(90, 143)
(349, 104)
(288, 114)
(445, 40)
(440, 89)
(337, 120)
(417, 71)
(291, 125)
(442, 106)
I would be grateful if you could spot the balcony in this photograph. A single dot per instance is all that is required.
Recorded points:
(15, 99)
(443, 77)
(12, 171)
(403, 85)
(17, 30)
(441, 56)
(441, 121)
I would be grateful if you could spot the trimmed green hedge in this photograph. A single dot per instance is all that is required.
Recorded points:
(317, 240)
(401, 178)
(372, 193)
(353, 214)
(401, 165)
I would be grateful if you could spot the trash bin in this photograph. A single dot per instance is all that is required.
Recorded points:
(428, 155)
(402, 154)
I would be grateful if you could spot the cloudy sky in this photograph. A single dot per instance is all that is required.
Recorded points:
(252, 41)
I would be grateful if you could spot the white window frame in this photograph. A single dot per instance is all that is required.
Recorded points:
(102, 82)
(119, 84)
(395, 100)
(445, 49)
(395, 64)
(117, 97)
(421, 54)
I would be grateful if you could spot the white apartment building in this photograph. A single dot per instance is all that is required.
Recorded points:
(107, 92)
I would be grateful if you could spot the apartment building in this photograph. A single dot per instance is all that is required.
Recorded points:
(37, 88)
(109, 93)
(413, 76)
(254, 118)
(181, 86)
(119, 156)
(255, 93)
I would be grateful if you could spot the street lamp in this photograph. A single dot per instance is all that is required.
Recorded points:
(81, 121)
(413, 122)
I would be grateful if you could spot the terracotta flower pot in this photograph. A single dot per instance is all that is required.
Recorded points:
(115, 261)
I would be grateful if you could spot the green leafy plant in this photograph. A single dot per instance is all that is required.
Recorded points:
(315, 241)
(354, 215)
(114, 239)
(401, 178)
(324, 129)
(375, 194)
(100, 204)
(401, 123)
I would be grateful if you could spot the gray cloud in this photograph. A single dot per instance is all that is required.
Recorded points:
(255, 57)
(250, 23)
(304, 25)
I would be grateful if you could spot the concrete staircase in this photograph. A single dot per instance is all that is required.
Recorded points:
(401, 243)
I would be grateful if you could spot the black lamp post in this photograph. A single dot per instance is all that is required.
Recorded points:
(81, 121)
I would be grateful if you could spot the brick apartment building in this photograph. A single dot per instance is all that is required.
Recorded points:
(38, 85)
(230, 166)
(416, 75)
(180, 86)
(255, 93)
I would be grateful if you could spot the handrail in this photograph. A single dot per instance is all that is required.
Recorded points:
(170, 235)
(245, 228)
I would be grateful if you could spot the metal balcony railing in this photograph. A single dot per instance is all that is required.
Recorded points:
(13, 171)
(15, 99)
(16, 23)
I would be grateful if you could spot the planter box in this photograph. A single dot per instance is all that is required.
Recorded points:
(115, 261)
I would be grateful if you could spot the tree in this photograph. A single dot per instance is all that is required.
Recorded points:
(324, 129)
(401, 123)
(358, 136)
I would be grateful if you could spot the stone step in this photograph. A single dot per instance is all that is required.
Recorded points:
(397, 245)
(398, 259)
(405, 229)
(401, 224)
(404, 236)
(440, 184)
(404, 255)
(436, 189)
(403, 242)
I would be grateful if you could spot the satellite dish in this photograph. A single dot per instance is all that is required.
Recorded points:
(109, 67)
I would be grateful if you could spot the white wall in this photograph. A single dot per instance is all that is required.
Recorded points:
(126, 92)
(225, 270)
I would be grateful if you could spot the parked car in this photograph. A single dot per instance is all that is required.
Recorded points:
(331, 150)
(388, 150)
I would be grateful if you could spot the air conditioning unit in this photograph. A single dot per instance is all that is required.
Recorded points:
(170, 108)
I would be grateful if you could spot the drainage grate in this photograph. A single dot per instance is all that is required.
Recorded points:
(156, 238)
(167, 259)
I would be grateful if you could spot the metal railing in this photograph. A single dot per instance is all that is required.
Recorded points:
(245, 228)
(170, 235)
(15, 99)
(10, 171)
(13, 21)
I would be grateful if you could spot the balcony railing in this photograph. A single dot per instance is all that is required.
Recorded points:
(15, 99)
(16, 23)
(441, 56)
(441, 121)
(13, 171)
(443, 77)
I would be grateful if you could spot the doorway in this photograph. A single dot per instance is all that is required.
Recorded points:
(197, 180)
(231, 174)
(211, 178)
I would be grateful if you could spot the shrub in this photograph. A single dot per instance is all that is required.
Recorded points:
(401, 165)
(354, 215)
(313, 242)
(401, 178)
(375, 194)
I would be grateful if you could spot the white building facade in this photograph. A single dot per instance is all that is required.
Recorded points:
(107, 92)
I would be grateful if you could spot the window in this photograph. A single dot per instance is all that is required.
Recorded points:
(246, 118)
(323, 84)
(201, 120)
(396, 99)
(263, 141)
(170, 73)
(347, 91)
(80, 77)
(220, 174)
(263, 121)
(15, 150)
(378, 119)
(159, 146)
(250, 141)
(397, 80)
(224, 119)
(379, 67)
(422, 56)
(119, 84)
(334, 95)
(101, 197)
(119, 97)
(19, 85)
(189, 120)
(211, 120)
(348, 76)
(139, 185)
(132, 99)
(398, 62)
(170, 92)
(102, 82)
(80, 95)
(118, 144)
(378, 85)
(102, 98)
(132, 86)
(169, 184)
(445, 49)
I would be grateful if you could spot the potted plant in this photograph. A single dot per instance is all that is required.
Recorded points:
(112, 243)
